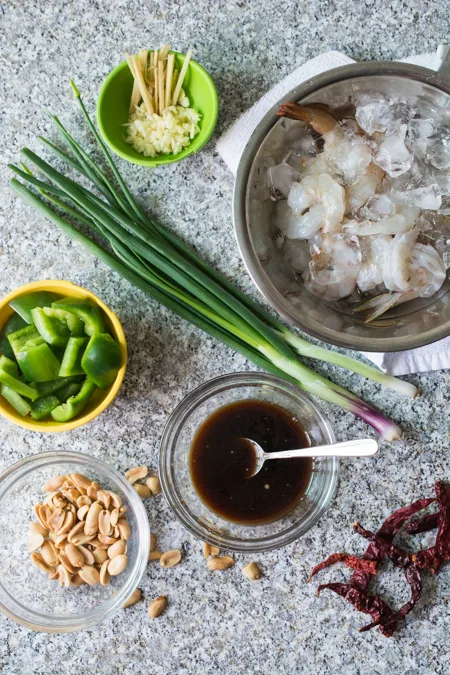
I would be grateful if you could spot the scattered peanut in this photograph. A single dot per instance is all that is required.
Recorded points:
(157, 607)
(155, 555)
(208, 550)
(153, 484)
(152, 542)
(143, 491)
(220, 563)
(134, 597)
(82, 532)
(170, 558)
(252, 571)
(136, 473)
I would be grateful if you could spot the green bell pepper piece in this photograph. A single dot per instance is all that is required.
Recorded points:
(17, 385)
(86, 310)
(53, 386)
(15, 400)
(14, 323)
(53, 330)
(43, 407)
(73, 322)
(102, 359)
(18, 338)
(75, 404)
(68, 391)
(71, 363)
(25, 303)
(9, 366)
(37, 362)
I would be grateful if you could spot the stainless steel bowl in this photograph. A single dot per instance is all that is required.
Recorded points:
(413, 324)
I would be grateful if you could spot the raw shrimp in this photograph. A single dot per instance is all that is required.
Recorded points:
(350, 158)
(334, 266)
(374, 250)
(426, 272)
(397, 264)
(317, 203)
(365, 187)
(400, 222)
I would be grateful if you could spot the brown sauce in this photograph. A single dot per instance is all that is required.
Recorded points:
(220, 462)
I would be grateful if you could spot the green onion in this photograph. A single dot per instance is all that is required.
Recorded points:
(159, 263)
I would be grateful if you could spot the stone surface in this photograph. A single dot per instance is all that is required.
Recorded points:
(217, 623)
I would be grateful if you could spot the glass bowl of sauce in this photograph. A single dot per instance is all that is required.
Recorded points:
(204, 463)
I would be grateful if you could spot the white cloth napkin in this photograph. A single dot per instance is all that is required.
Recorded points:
(231, 146)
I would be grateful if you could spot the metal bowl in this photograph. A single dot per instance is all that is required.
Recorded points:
(411, 325)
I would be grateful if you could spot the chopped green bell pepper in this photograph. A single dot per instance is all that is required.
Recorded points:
(14, 323)
(69, 390)
(15, 400)
(102, 359)
(18, 338)
(53, 330)
(71, 363)
(36, 361)
(53, 386)
(17, 385)
(86, 310)
(25, 303)
(9, 366)
(43, 407)
(74, 324)
(75, 404)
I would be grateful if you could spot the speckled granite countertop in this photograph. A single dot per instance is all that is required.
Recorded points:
(215, 623)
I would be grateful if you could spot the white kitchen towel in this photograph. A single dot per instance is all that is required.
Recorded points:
(231, 146)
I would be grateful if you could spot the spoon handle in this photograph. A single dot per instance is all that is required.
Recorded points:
(360, 448)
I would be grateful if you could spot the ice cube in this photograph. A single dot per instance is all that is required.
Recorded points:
(438, 150)
(378, 206)
(427, 197)
(419, 129)
(393, 155)
(281, 215)
(280, 179)
(373, 112)
(298, 200)
(296, 253)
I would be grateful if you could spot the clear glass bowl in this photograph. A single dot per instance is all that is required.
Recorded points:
(174, 463)
(26, 594)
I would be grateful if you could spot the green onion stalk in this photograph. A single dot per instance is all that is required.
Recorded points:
(162, 265)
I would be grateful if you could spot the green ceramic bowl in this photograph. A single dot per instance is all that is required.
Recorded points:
(114, 100)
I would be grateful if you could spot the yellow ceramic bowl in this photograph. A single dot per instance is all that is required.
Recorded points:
(102, 397)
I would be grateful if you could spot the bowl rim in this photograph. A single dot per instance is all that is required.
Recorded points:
(175, 423)
(160, 160)
(97, 615)
(59, 286)
(251, 261)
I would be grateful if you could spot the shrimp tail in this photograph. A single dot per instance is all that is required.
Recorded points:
(319, 119)
(382, 303)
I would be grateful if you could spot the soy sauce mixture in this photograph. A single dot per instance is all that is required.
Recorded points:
(220, 462)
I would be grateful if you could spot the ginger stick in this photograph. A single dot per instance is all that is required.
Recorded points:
(181, 77)
(136, 94)
(163, 52)
(155, 75)
(161, 86)
(134, 67)
(170, 65)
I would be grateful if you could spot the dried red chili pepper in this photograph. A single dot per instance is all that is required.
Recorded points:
(433, 557)
(387, 531)
(352, 561)
(363, 602)
(430, 521)
(397, 556)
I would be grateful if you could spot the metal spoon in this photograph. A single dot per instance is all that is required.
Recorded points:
(360, 448)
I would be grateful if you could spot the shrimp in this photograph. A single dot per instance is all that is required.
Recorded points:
(365, 187)
(374, 250)
(397, 264)
(334, 266)
(427, 274)
(317, 203)
(349, 158)
(400, 222)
